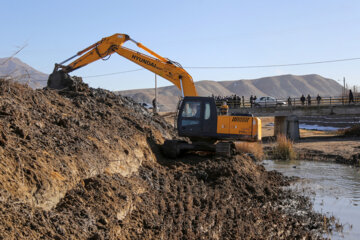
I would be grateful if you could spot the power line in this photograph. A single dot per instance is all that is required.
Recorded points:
(279, 65)
(243, 67)
(234, 67)
(115, 73)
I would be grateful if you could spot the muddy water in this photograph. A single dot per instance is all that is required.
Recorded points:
(333, 188)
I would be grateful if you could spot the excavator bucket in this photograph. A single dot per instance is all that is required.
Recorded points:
(60, 80)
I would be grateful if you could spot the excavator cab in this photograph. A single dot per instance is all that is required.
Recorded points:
(200, 120)
(197, 118)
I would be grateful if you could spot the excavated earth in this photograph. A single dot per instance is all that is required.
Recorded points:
(86, 164)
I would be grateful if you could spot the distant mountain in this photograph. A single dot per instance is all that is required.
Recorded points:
(19, 71)
(278, 86)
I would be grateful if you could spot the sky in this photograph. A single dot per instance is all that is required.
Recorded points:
(195, 33)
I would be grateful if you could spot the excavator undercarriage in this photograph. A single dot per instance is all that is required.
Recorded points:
(175, 148)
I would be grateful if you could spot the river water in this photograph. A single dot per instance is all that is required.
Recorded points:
(333, 188)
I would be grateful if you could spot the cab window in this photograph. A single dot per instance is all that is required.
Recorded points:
(207, 111)
(191, 110)
(191, 113)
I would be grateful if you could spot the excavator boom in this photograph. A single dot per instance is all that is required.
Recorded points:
(109, 45)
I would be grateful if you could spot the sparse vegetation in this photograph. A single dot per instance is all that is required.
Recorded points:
(283, 149)
(254, 148)
(353, 131)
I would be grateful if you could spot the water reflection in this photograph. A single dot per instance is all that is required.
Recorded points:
(334, 189)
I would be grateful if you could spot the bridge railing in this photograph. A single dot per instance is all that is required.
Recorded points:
(289, 102)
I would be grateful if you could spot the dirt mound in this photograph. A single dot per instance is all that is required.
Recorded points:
(353, 131)
(86, 165)
(51, 140)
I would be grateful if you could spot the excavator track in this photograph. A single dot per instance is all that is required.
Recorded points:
(225, 149)
(174, 148)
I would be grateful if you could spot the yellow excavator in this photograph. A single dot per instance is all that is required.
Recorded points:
(197, 117)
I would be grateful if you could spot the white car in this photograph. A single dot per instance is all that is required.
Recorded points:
(268, 102)
(149, 106)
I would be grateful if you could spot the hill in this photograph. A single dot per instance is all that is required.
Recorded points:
(21, 72)
(278, 86)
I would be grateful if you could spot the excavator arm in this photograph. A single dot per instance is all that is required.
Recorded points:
(163, 67)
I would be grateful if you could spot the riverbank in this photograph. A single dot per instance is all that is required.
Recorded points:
(344, 150)
(315, 145)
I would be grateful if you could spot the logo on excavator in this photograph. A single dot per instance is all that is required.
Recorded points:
(147, 62)
(240, 119)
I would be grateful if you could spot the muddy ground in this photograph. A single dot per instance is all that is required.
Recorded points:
(87, 164)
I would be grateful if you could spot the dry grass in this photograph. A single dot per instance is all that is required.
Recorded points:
(284, 149)
(353, 131)
(254, 148)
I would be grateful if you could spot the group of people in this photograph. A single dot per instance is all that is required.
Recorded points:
(318, 99)
(234, 100)
(308, 99)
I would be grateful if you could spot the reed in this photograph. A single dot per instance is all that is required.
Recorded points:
(283, 149)
(254, 148)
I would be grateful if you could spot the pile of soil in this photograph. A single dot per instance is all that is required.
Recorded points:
(86, 164)
(51, 140)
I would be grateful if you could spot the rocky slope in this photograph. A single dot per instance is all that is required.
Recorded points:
(87, 164)
(19, 71)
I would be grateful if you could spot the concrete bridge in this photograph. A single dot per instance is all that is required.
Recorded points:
(316, 110)
(286, 113)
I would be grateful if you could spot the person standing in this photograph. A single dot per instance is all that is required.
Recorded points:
(234, 101)
(251, 101)
(154, 105)
(302, 99)
(243, 101)
(289, 101)
(318, 99)
(309, 99)
(351, 97)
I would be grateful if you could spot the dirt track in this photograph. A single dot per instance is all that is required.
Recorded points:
(87, 165)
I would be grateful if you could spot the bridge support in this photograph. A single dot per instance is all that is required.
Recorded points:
(288, 126)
